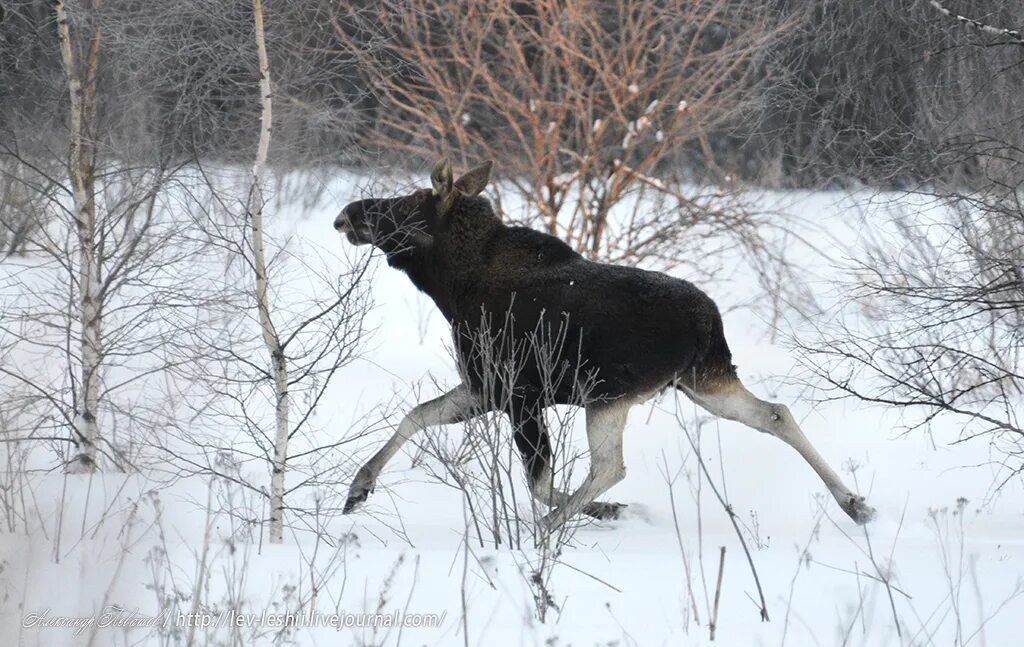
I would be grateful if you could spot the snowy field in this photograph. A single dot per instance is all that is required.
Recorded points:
(135, 560)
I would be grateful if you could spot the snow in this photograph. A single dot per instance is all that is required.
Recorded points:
(951, 548)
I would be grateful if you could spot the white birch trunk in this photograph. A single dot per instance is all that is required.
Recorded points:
(270, 337)
(81, 168)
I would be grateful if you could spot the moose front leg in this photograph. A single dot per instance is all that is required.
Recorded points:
(457, 405)
(605, 424)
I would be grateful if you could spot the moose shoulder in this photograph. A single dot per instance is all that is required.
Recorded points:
(600, 336)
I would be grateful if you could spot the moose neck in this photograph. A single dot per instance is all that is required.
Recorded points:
(450, 269)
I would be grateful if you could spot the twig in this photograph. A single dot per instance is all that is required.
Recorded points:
(732, 518)
(465, 574)
(718, 594)
(679, 539)
(1012, 34)
(590, 575)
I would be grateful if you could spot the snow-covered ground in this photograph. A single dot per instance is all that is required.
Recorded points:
(942, 564)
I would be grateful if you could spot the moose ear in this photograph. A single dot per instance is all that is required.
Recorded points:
(441, 178)
(475, 181)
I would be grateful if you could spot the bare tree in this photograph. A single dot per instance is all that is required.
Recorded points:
(835, 97)
(82, 79)
(304, 343)
(336, 325)
(283, 322)
(270, 337)
(941, 292)
(588, 105)
(148, 349)
(17, 208)
(102, 245)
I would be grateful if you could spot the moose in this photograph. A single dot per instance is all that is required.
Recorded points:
(635, 332)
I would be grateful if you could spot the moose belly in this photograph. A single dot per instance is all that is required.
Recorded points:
(566, 357)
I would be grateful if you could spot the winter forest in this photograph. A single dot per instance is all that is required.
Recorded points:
(197, 363)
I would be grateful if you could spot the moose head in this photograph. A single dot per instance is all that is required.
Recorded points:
(404, 225)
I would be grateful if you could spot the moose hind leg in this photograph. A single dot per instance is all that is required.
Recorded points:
(728, 398)
(457, 405)
(534, 443)
(605, 424)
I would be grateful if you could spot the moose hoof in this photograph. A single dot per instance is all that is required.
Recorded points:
(859, 510)
(603, 510)
(354, 500)
(360, 490)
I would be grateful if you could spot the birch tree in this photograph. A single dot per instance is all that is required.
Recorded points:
(113, 271)
(308, 323)
(81, 80)
(271, 340)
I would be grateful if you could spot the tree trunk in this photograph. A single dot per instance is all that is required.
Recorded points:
(271, 339)
(82, 171)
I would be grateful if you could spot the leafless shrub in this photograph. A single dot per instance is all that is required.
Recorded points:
(224, 390)
(112, 270)
(938, 292)
(500, 505)
(495, 502)
(877, 575)
(19, 208)
(148, 262)
(586, 105)
(942, 300)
